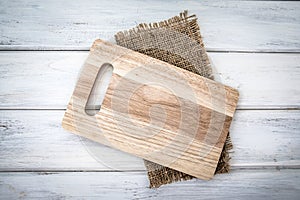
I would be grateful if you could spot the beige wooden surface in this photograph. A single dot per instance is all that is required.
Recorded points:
(187, 132)
(39, 159)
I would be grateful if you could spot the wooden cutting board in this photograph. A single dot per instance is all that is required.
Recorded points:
(153, 110)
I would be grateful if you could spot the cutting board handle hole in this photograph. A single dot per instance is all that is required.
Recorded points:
(99, 89)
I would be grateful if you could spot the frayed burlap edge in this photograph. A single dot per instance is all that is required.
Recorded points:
(183, 24)
(159, 175)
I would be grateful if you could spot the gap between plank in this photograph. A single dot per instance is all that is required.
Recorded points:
(87, 48)
(64, 109)
(233, 168)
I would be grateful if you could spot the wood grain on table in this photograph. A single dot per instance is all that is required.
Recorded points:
(254, 46)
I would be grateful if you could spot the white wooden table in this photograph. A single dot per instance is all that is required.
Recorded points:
(255, 47)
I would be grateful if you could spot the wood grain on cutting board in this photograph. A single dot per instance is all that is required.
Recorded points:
(186, 131)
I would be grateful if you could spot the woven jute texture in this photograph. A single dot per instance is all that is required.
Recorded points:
(177, 41)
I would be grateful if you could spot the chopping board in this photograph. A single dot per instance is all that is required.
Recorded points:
(153, 110)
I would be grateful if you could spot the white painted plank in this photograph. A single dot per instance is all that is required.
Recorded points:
(74, 24)
(47, 79)
(35, 140)
(245, 184)
(27, 78)
(263, 80)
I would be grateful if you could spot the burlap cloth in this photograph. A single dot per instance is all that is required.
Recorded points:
(178, 42)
